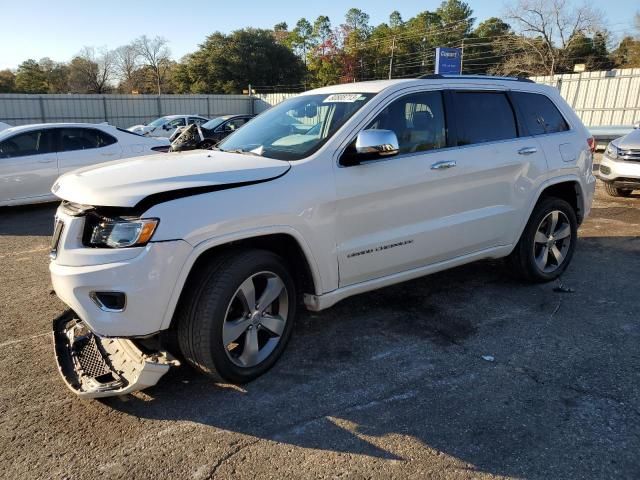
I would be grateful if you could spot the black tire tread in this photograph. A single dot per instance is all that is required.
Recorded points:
(207, 286)
(616, 192)
(518, 260)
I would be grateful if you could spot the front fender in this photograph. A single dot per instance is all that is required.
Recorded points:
(221, 240)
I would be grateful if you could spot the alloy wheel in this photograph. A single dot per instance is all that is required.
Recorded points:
(552, 241)
(255, 319)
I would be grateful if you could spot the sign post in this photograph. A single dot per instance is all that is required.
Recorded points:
(448, 61)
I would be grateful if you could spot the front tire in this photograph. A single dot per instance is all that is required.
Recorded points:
(547, 243)
(238, 316)
(616, 192)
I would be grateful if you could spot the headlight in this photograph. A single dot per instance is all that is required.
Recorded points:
(121, 233)
(611, 151)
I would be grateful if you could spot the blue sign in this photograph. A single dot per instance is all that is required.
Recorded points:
(448, 61)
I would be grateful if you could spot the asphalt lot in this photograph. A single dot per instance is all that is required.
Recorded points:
(391, 383)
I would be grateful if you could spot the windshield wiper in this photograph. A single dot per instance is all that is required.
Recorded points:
(239, 150)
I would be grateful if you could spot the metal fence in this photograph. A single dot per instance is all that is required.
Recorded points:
(120, 110)
(601, 98)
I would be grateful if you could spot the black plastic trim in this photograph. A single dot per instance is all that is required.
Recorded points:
(162, 197)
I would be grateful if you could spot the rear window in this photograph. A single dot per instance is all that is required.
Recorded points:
(539, 114)
(484, 117)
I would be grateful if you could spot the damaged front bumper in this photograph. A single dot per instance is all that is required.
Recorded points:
(94, 367)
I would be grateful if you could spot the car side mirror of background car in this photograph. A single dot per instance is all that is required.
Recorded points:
(370, 145)
(636, 125)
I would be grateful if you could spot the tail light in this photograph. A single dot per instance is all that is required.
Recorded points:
(592, 144)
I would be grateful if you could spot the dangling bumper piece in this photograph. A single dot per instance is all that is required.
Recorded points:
(94, 367)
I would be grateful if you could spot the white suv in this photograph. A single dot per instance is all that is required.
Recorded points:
(620, 165)
(329, 194)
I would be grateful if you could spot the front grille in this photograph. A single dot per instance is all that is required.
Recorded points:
(89, 357)
(631, 154)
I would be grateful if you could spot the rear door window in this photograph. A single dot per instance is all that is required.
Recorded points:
(72, 139)
(418, 121)
(484, 117)
(35, 142)
(539, 113)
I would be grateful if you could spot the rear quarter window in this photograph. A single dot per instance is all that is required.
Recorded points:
(539, 114)
(484, 117)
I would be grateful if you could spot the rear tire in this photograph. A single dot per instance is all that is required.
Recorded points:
(547, 243)
(616, 192)
(221, 330)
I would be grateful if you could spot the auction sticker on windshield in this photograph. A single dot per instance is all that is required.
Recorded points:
(344, 97)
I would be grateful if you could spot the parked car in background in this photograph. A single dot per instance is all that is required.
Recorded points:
(620, 165)
(389, 180)
(208, 134)
(4, 126)
(167, 125)
(33, 156)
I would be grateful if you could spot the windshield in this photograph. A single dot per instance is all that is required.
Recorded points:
(213, 123)
(157, 122)
(296, 127)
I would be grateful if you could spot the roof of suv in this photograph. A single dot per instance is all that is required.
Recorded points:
(375, 86)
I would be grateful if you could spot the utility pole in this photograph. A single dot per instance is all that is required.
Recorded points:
(393, 48)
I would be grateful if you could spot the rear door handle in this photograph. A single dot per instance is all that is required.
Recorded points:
(527, 150)
(443, 165)
(46, 160)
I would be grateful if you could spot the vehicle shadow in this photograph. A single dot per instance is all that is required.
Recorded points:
(40, 224)
(404, 366)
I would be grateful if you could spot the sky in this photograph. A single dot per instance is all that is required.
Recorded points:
(59, 29)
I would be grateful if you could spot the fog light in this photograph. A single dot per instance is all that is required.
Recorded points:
(605, 170)
(109, 301)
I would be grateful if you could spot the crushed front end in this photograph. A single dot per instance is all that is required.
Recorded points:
(94, 367)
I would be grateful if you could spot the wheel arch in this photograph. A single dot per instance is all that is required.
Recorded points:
(285, 242)
(567, 188)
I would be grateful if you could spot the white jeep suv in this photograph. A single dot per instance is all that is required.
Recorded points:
(207, 254)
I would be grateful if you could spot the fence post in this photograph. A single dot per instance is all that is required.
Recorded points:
(42, 116)
(104, 106)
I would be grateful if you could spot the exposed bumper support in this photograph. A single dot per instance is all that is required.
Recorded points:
(94, 367)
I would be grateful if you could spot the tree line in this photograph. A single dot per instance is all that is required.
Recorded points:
(534, 37)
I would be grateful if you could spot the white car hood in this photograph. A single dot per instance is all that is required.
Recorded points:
(127, 183)
(631, 141)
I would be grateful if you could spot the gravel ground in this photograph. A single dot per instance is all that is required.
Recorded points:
(391, 383)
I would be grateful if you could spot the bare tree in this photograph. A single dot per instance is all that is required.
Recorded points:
(127, 62)
(91, 71)
(547, 28)
(156, 55)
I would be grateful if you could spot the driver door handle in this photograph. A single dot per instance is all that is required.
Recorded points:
(527, 150)
(443, 165)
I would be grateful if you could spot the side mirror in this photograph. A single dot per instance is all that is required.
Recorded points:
(371, 145)
(636, 125)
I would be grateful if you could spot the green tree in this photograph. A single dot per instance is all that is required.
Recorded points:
(7, 81)
(301, 38)
(30, 78)
(229, 63)
(627, 55)
(56, 75)
(482, 48)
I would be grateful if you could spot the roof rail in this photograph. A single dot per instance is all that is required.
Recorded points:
(436, 76)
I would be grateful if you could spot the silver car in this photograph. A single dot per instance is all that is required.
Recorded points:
(620, 166)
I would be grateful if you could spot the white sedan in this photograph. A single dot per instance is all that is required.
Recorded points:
(33, 156)
(166, 126)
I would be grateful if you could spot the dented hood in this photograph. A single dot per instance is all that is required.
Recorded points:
(131, 183)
